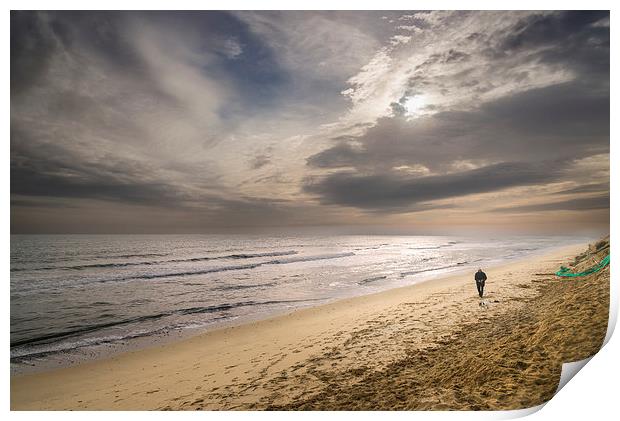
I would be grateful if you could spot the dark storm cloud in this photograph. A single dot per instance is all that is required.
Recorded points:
(576, 45)
(92, 185)
(51, 174)
(569, 113)
(455, 56)
(45, 176)
(569, 37)
(259, 161)
(68, 136)
(561, 122)
(573, 41)
(561, 30)
(401, 193)
(30, 51)
(36, 37)
(50, 171)
(587, 203)
(341, 155)
(34, 203)
(566, 121)
(588, 188)
(194, 113)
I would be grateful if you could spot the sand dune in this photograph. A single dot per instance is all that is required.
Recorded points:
(428, 346)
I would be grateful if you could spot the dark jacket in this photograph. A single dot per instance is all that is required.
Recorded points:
(480, 276)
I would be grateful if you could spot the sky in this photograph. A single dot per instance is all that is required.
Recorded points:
(432, 122)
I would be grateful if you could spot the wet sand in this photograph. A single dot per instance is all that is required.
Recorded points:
(434, 345)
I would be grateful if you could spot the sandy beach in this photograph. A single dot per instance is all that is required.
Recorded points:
(433, 345)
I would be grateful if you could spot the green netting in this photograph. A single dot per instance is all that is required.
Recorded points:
(564, 271)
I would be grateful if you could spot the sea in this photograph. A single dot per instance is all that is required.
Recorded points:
(82, 297)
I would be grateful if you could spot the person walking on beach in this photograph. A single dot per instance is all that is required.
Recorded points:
(480, 277)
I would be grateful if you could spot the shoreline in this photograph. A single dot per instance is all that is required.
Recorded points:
(238, 367)
(107, 351)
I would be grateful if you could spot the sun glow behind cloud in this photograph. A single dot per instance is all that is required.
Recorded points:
(414, 105)
(264, 118)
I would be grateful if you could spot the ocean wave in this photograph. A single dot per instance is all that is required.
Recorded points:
(448, 244)
(309, 258)
(87, 257)
(374, 247)
(242, 286)
(54, 336)
(415, 272)
(369, 280)
(128, 256)
(229, 268)
(426, 248)
(238, 256)
(26, 354)
(158, 262)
